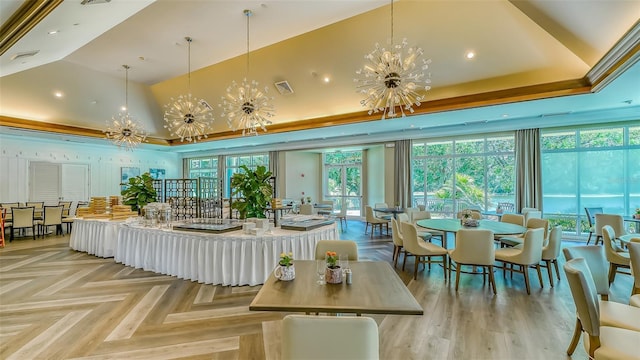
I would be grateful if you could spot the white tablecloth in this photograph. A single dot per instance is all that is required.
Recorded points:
(96, 237)
(231, 258)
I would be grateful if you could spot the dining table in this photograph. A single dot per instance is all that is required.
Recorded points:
(375, 289)
(392, 210)
(452, 226)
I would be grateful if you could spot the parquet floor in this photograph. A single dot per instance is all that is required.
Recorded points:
(56, 303)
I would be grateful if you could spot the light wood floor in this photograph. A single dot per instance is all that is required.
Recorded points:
(56, 303)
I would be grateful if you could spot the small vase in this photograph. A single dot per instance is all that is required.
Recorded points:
(333, 275)
(285, 273)
(637, 216)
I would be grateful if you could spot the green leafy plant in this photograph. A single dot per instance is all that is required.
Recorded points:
(253, 191)
(286, 259)
(332, 259)
(139, 192)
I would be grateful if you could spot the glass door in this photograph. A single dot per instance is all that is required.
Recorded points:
(343, 185)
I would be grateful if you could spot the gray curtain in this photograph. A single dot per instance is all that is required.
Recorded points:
(402, 173)
(273, 167)
(528, 169)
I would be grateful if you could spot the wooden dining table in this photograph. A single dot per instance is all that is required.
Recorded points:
(375, 289)
(452, 226)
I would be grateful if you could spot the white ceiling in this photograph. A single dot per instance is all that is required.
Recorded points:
(518, 43)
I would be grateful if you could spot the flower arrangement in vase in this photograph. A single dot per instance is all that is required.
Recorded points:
(333, 273)
(285, 270)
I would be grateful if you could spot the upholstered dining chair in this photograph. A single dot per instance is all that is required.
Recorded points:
(473, 247)
(612, 313)
(348, 247)
(326, 211)
(22, 218)
(38, 207)
(3, 216)
(52, 216)
(532, 223)
(320, 337)
(634, 256)
(616, 257)
(550, 252)
(591, 219)
(396, 236)
(429, 234)
(374, 221)
(602, 342)
(516, 219)
(8, 206)
(423, 251)
(528, 256)
(615, 221)
(342, 216)
(380, 215)
(476, 215)
(66, 208)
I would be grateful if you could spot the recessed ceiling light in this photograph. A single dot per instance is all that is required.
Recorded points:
(470, 55)
(327, 79)
(58, 94)
(124, 108)
(505, 115)
(52, 32)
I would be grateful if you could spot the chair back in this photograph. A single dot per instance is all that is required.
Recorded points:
(380, 205)
(402, 217)
(532, 214)
(585, 297)
(410, 238)
(527, 209)
(552, 249)
(513, 219)
(22, 217)
(474, 246)
(368, 213)
(396, 234)
(531, 247)
(597, 262)
(610, 248)
(615, 221)
(634, 255)
(66, 207)
(8, 207)
(306, 209)
(314, 337)
(348, 247)
(591, 214)
(409, 211)
(52, 215)
(420, 215)
(535, 223)
(475, 214)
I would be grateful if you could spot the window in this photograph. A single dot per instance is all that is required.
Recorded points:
(343, 180)
(233, 166)
(204, 167)
(453, 175)
(596, 167)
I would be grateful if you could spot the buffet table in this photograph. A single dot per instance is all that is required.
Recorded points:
(231, 258)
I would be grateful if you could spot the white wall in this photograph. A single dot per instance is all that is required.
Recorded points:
(104, 163)
(375, 172)
(303, 173)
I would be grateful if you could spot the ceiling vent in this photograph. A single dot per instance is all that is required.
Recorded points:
(206, 104)
(284, 88)
(92, 2)
(23, 55)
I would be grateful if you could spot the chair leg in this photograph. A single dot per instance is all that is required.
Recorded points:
(539, 275)
(404, 261)
(549, 271)
(457, 275)
(415, 268)
(589, 238)
(576, 337)
(555, 264)
(525, 271)
(396, 249)
(612, 272)
(492, 280)
(33, 232)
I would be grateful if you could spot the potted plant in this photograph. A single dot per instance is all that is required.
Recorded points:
(333, 273)
(637, 214)
(139, 192)
(254, 191)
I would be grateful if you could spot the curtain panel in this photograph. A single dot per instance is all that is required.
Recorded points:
(402, 173)
(528, 169)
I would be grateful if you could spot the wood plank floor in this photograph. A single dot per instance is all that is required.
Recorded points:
(56, 303)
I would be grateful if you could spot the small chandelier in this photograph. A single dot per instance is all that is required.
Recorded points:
(188, 117)
(392, 78)
(123, 130)
(245, 106)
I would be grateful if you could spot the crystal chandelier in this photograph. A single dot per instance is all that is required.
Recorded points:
(392, 78)
(245, 106)
(123, 130)
(188, 117)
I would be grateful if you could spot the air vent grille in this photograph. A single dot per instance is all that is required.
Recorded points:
(92, 2)
(284, 88)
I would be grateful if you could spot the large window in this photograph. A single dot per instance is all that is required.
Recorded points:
(203, 167)
(343, 180)
(234, 162)
(590, 168)
(453, 175)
